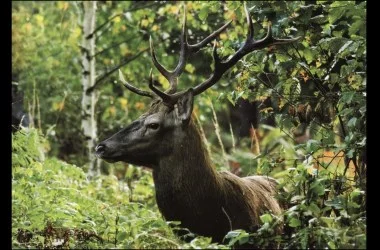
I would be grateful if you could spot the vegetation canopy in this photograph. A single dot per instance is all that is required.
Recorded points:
(294, 112)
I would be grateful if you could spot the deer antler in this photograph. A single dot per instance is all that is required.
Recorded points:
(133, 88)
(172, 76)
(186, 49)
(250, 45)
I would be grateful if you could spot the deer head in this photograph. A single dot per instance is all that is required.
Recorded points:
(160, 130)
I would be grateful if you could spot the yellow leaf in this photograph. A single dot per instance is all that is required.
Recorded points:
(163, 81)
(281, 103)
(351, 78)
(265, 23)
(39, 19)
(318, 63)
(294, 15)
(112, 110)
(61, 105)
(144, 22)
(189, 5)
(106, 61)
(117, 19)
(189, 68)
(223, 36)
(123, 102)
(155, 27)
(77, 32)
(29, 172)
(63, 5)
(173, 9)
(58, 106)
(139, 105)
(38, 166)
(230, 15)
(27, 27)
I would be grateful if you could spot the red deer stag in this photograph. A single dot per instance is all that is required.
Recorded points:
(166, 139)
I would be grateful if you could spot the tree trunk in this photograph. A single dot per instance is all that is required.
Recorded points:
(89, 99)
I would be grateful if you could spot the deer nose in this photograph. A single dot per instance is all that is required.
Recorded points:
(99, 150)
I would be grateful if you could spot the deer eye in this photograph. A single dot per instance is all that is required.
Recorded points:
(153, 126)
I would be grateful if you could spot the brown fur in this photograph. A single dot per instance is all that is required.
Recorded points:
(209, 203)
(188, 188)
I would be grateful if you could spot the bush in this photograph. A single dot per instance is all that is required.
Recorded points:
(55, 205)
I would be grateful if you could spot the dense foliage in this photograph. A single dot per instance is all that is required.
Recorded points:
(54, 205)
(316, 150)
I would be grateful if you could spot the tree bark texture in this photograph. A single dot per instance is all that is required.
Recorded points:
(89, 100)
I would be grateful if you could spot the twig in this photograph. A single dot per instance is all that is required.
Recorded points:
(116, 228)
(118, 15)
(203, 134)
(228, 217)
(39, 113)
(113, 46)
(105, 75)
(233, 138)
(217, 132)
(257, 145)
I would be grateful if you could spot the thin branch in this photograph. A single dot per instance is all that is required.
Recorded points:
(115, 68)
(292, 104)
(228, 217)
(117, 15)
(333, 158)
(113, 46)
(104, 24)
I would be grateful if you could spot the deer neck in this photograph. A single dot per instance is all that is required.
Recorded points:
(187, 169)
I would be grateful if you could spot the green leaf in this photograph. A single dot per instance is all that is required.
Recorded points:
(358, 26)
(312, 145)
(345, 46)
(121, 236)
(335, 14)
(362, 142)
(347, 97)
(266, 218)
(350, 153)
(297, 198)
(328, 137)
(317, 188)
(351, 204)
(352, 122)
(190, 68)
(328, 220)
(294, 222)
(314, 209)
(336, 203)
(203, 13)
(310, 54)
(331, 245)
(320, 19)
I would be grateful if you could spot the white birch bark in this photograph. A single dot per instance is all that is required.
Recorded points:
(88, 80)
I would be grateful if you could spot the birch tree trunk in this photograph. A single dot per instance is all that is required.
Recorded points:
(89, 98)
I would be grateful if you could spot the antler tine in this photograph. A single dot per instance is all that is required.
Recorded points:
(182, 56)
(250, 25)
(165, 97)
(133, 88)
(249, 46)
(160, 68)
(172, 76)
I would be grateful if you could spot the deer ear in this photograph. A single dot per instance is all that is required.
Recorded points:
(185, 106)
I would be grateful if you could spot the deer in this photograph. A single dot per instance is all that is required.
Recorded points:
(167, 139)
